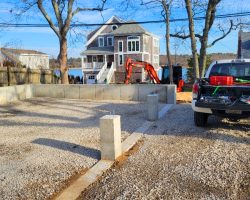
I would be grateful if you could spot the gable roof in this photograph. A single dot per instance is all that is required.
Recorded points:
(129, 29)
(92, 36)
(21, 51)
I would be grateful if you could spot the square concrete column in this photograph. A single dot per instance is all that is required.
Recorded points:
(110, 131)
(152, 105)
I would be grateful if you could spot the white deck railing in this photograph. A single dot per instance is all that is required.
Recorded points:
(93, 65)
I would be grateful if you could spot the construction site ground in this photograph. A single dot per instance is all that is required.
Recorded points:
(177, 160)
(46, 143)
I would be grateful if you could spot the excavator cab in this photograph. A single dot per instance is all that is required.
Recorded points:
(177, 76)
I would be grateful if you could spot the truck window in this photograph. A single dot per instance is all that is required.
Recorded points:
(231, 69)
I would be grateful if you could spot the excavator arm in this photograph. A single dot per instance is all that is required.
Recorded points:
(130, 63)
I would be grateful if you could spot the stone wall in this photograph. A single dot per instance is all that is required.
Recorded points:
(19, 76)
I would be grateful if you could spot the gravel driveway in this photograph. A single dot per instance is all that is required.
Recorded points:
(180, 161)
(44, 142)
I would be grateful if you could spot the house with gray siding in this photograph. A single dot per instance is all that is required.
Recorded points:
(29, 58)
(109, 46)
(243, 44)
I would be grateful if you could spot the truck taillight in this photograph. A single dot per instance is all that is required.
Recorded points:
(195, 90)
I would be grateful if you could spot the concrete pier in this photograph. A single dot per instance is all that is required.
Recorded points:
(152, 107)
(110, 131)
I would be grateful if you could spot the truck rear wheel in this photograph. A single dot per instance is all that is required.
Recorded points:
(200, 119)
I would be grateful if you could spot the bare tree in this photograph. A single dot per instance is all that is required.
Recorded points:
(64, 11)
(165, 12)
(198, 6)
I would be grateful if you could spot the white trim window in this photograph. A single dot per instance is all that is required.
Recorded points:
(120, 46)
(101, 41)
(120, 59)
(110, 41)
(133, 44)
(156, 42)
(156, 59)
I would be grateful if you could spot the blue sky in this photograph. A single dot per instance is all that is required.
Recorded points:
(44, 39)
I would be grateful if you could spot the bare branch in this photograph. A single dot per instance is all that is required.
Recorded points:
(47, 17)
(57, 13)
(184, 36)
(98, 8)
(232, 27)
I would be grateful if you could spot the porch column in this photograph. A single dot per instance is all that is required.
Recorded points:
(105, 58)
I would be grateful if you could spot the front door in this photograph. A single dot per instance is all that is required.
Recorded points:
(110, 59)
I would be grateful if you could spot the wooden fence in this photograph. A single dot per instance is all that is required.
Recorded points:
(19, 76)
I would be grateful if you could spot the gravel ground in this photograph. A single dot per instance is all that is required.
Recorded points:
(180, 161)
(45, 141)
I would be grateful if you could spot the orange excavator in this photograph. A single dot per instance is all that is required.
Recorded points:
(130, 63)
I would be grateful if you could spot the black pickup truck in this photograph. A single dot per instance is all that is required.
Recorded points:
(224, 91)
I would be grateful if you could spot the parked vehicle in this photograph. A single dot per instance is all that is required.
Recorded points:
(224, 91)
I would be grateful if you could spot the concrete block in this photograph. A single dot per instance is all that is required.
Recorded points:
(49, 90)
(146, 89)
(11, 94)
(56, 91)
(129, 92)
(87, 91)
(171, 94)
(29, 91)
(99, 91)
(20, 91)
(3, 99)
(72, 91)
(111, 92)
(152, 107)
(110, 132)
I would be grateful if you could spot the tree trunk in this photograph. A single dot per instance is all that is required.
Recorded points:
(193, 39)
(210, 16)
(63, 60)
(168, 47)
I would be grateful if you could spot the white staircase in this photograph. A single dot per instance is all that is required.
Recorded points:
(106, 75)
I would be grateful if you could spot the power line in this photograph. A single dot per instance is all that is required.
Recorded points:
(223, 16)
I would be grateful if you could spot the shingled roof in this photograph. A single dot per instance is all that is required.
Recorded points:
(129, 29)
(21, 51)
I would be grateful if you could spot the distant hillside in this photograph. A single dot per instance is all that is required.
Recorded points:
(72, 63)
(182, 59)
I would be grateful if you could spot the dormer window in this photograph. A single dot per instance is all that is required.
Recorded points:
(114, 27)
(101, 41)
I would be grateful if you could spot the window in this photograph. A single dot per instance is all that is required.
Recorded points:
(156, 42)
(110, 41)
(156, 59)
(120, 46)
(101, 41)
(94, 59)
(241, 70)
(91, 77)
(133, 44)
(120, 60)
(114, 27)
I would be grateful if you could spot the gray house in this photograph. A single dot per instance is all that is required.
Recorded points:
(244, 44)
(108, 47)
(29, 58)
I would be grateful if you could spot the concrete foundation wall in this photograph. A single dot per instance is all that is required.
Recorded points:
(135, 92)
(14, 93)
